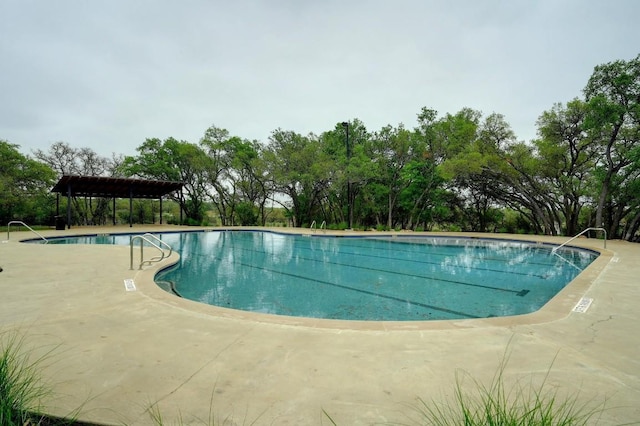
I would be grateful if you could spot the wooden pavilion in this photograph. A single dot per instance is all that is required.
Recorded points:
(111, 187)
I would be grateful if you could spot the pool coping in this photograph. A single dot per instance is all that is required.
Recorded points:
(558, 307)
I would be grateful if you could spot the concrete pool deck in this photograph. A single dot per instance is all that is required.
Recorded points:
(115, 353)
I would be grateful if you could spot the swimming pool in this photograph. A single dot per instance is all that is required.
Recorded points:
(398, 278)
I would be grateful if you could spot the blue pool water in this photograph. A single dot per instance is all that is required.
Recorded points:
(377, 279)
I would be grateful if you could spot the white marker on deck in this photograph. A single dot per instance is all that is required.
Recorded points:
(583, 305)
(129, 285)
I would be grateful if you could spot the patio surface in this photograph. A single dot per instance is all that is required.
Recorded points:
(115, 353)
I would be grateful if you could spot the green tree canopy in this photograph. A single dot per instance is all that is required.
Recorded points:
(177, 161)
(24, 187)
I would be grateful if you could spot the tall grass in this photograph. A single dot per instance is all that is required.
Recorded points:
(21, 387)
(213, 419)
(496, 404)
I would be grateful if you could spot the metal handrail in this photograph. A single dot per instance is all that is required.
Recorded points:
(323, 226)
(162, 243)
(142, 239)
(586, 230)
(19, 222)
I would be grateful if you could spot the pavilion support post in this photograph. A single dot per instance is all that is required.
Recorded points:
(130, 207)
(160, 210)
(114, 210)
(69, 206)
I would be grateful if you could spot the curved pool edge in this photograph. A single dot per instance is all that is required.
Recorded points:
(558, 307)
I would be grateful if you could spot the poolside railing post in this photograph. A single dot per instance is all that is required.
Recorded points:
(141, 252)
(131, 253)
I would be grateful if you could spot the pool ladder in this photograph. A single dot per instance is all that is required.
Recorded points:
(323, 226)
(153, 241)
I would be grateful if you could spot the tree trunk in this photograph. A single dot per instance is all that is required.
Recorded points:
(633, 227)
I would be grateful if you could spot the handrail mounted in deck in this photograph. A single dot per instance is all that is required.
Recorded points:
(586, 230)
(323, 226)
(148, 238)
(19, 222)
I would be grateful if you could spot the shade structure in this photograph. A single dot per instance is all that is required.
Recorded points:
(113, 187)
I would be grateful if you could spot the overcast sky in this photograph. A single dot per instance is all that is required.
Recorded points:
(109, 74)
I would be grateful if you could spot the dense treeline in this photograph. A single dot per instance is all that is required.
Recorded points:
(463, 171)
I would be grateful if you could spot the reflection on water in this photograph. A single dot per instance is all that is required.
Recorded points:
(370, 278)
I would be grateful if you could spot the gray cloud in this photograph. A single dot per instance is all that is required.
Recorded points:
(109, 74)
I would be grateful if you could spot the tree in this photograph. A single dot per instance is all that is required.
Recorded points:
(24, 187)
(522, 189)
(214, 143)
(567, 157)
(613, 122)
(66, 160)
(252, 182)
(299, 169)
(348, 172)
(394, 150)
(177, 161)
(471, 161)
(238, 177)
(490, 170)
(421, 193)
